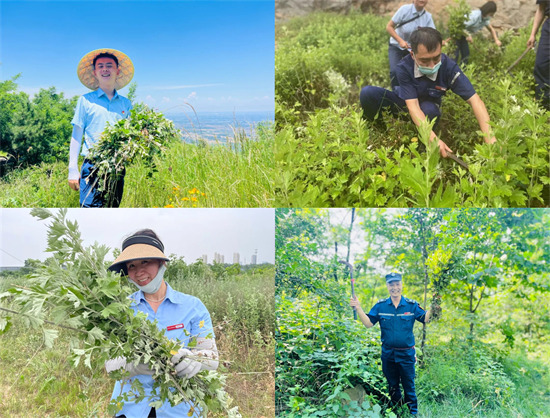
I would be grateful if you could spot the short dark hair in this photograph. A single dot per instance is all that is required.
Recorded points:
(429, 37)
(488, 8)
(147, 232)
(106, 55)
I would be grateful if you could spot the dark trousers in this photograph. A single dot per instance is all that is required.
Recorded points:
(462, 51)
(91, 197)
(152, 414)
(395, 54)
(374, 99)
(542, 66)
(401, 371)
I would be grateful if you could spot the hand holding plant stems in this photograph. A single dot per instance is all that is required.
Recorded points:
(76, 290)
(144, 135)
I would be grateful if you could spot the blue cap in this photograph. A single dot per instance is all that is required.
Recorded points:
(393, 277)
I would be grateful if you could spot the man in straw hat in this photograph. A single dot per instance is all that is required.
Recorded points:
(396, 315)
(184, 317)
(105, 71)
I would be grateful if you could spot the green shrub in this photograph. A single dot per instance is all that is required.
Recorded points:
(327, 156)
(468, 368)
(320, 353)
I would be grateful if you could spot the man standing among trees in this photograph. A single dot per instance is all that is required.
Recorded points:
(424, 77)
(105, 71)
(396, 315)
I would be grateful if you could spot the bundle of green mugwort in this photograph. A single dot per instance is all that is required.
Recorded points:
(75, 290)
(143, 135)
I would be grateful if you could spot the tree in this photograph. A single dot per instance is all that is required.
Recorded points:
(299, 237)
(37, 130)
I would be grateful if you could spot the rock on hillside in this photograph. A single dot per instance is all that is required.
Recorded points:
(510, 14)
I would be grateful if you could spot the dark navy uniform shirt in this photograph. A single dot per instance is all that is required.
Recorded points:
(396, 324)
(449, 77)
(547, 6)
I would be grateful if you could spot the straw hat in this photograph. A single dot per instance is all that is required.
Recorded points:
(135, 248)
(85, 69)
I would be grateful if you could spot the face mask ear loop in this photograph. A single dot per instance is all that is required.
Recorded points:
(154, 285)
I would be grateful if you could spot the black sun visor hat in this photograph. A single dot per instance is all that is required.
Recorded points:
(138, 247)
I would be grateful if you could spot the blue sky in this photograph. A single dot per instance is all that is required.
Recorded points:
(214, 55)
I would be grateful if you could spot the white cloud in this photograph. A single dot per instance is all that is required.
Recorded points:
(190, 86)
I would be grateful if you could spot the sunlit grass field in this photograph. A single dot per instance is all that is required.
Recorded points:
(238, 173)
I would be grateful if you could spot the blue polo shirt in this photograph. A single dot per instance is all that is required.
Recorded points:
(94, 110)
(405, 13)
(476, 22)
(396, 324)
(177, 309)
(449, 77)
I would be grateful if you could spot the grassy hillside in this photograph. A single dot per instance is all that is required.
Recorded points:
(236, 174)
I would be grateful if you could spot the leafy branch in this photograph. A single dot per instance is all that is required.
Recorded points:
(143, 135)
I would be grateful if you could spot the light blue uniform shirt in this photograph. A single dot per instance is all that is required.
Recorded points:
(177, 308)
(94, 110)
(476, 21)
(405, 13)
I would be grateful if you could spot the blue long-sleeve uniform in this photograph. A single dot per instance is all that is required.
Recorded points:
(398, 353)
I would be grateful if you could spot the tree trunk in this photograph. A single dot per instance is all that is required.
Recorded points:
(471, 311)
(349, 233)
(335, 261)
(426, 278)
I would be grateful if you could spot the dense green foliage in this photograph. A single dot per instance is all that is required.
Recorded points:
(458, 16)
(489, 270)
(33, 131)
(328, 156)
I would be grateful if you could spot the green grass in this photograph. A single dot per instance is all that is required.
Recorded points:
(531, 397)
(38, 382)
(238, 173)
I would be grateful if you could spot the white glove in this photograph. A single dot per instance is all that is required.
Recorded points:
(185, 367)
(120, 362)
(204, 356)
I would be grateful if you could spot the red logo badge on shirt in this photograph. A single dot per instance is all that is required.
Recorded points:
(123, 112)
(173, 327)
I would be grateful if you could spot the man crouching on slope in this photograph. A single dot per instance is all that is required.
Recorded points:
(424, 77)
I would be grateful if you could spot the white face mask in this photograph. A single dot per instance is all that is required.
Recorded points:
(154, 285)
